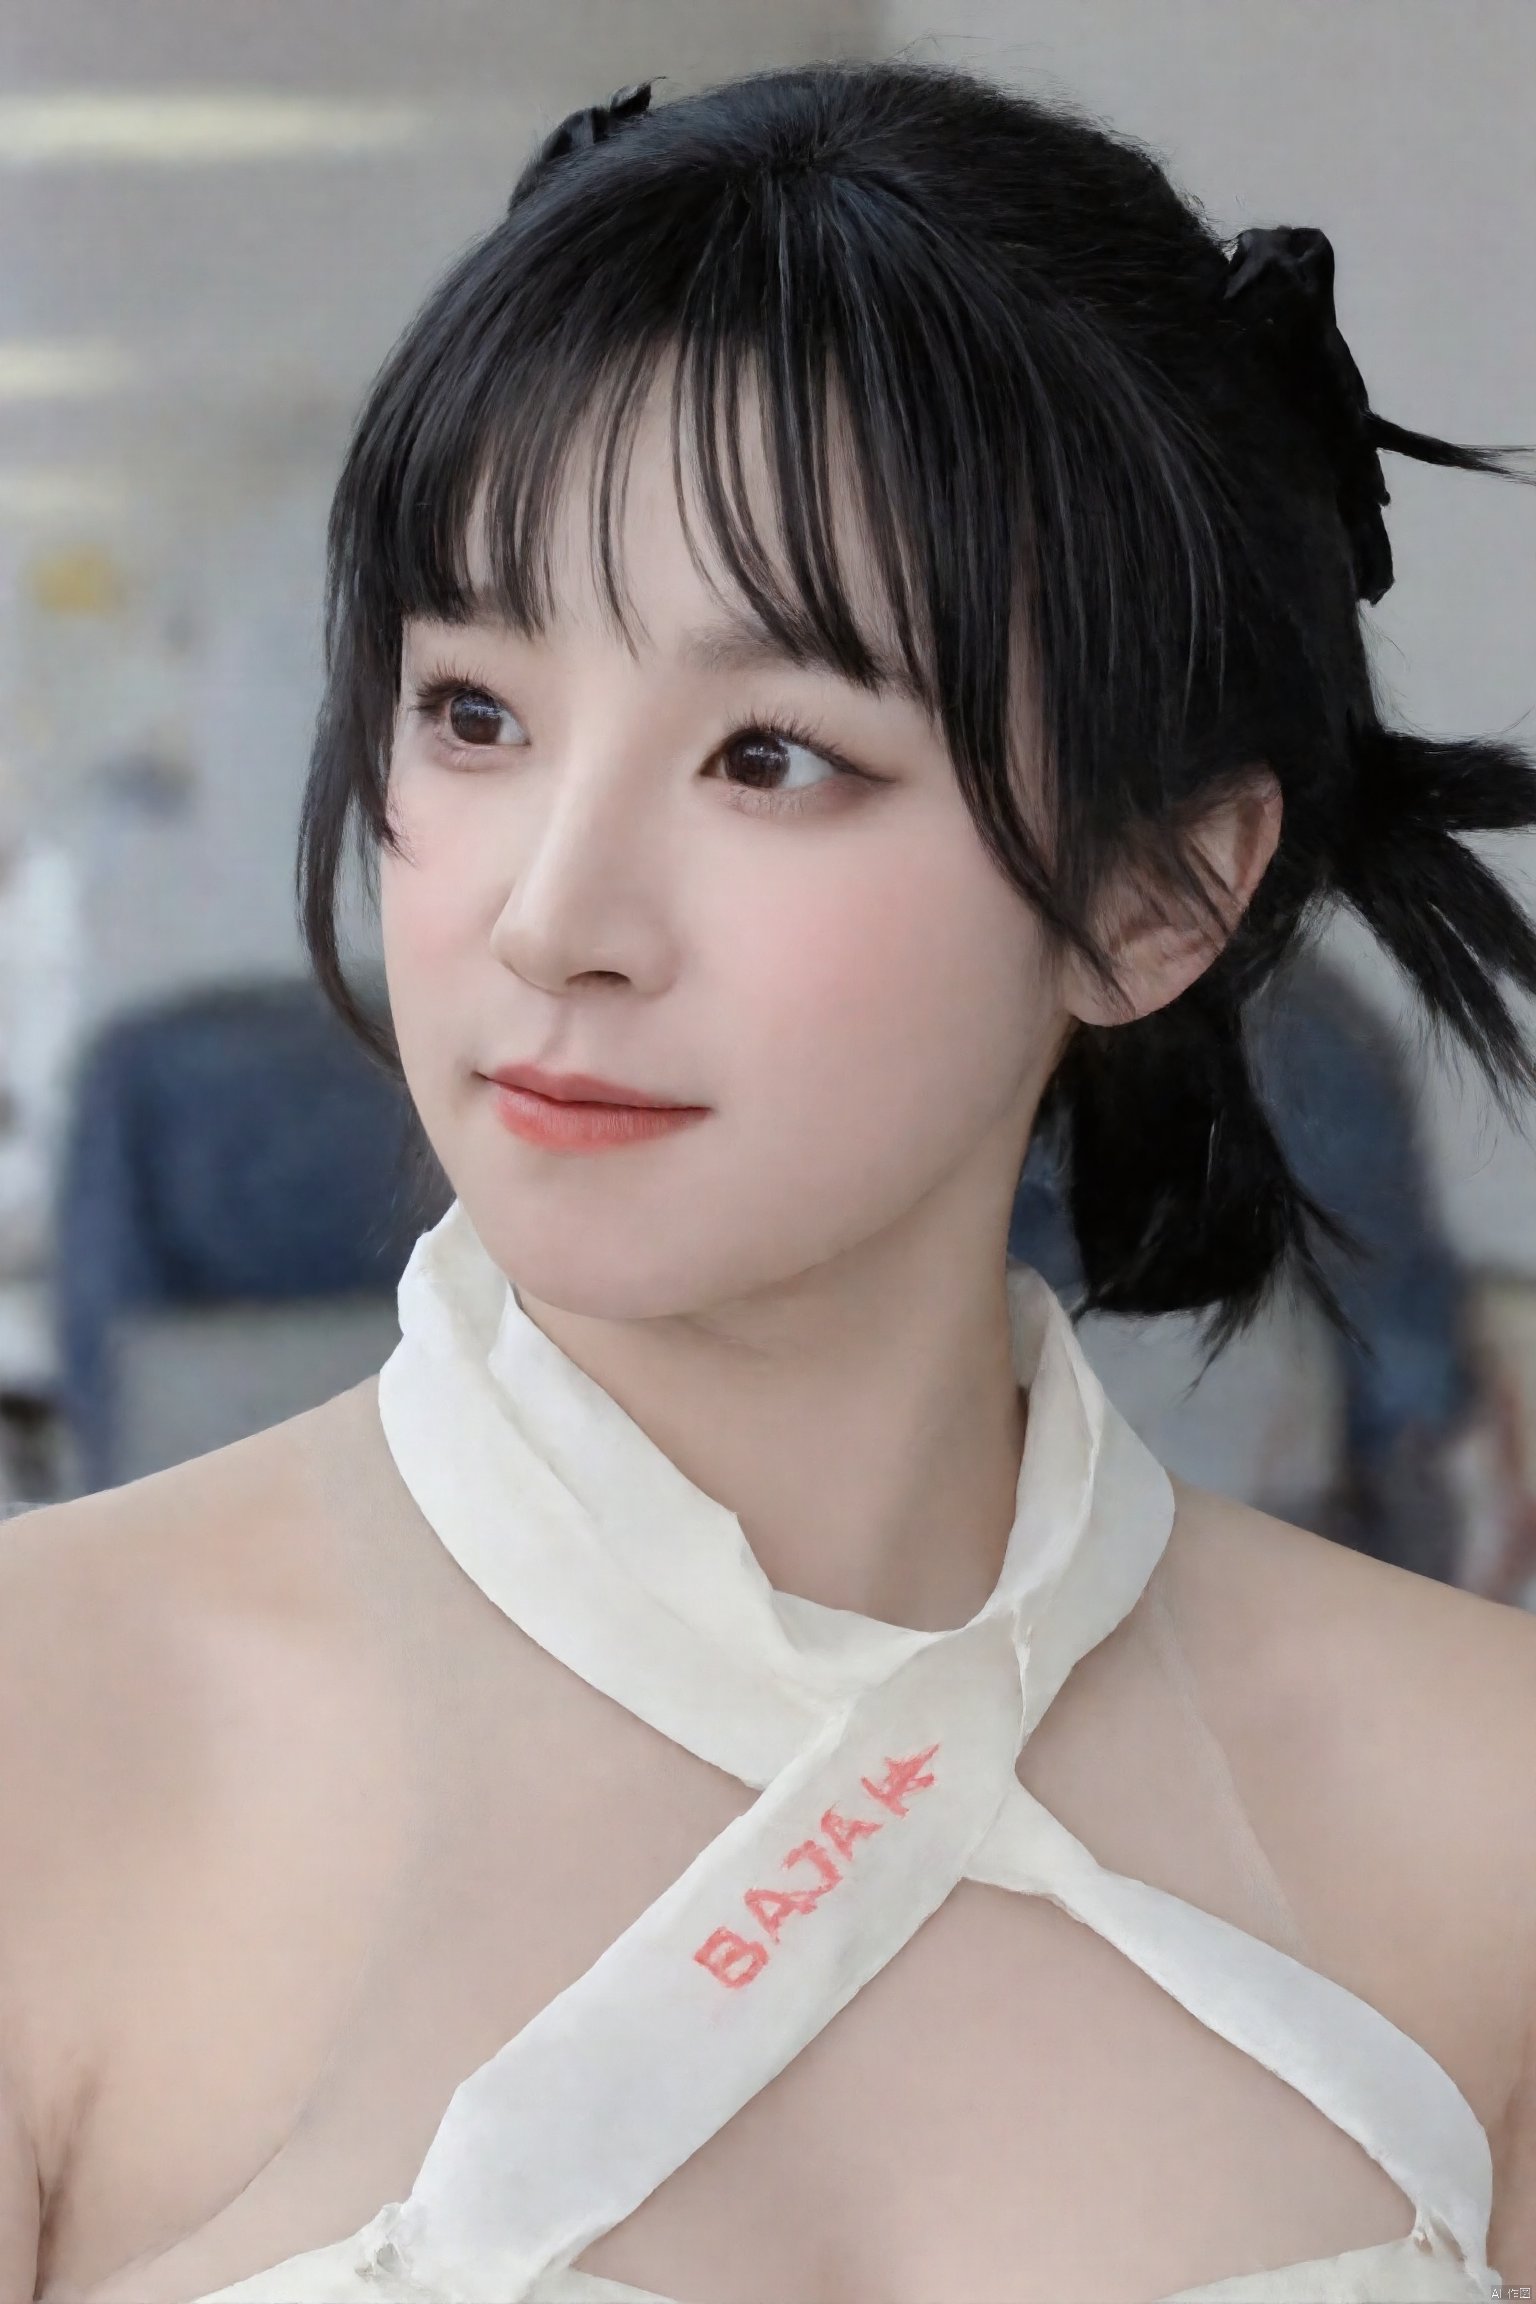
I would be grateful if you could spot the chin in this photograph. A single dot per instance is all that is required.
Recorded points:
(630, 1269)
(599, 1271)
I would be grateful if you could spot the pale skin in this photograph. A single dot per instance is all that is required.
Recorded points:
(232, 1698)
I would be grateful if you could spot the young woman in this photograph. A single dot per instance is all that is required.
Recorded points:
(727, 1772)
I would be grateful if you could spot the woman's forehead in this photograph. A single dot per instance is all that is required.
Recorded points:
(646, 561)
(652, 550)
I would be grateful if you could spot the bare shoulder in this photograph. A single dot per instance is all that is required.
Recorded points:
(1347, 1640)
(1382, 1728)
(112, 1605)
(152, 1640)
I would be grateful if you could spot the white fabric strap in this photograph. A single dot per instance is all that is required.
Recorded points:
(1368, 2077)
(591, 1541)
(716, 1987)
(531, 1547)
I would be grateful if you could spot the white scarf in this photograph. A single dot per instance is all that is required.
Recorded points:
(885, 1759)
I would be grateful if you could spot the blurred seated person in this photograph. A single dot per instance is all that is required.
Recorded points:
(230, 1144)
(1342, 1107)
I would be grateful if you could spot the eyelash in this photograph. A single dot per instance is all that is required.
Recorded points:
(440, 689)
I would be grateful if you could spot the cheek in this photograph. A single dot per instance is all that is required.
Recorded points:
(426, 930)
(920, 981)
(421, 916)
(435, 898)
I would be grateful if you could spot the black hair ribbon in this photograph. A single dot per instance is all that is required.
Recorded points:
(578, 131)
(1285, 278)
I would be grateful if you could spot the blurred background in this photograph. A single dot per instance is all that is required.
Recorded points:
(215, 216)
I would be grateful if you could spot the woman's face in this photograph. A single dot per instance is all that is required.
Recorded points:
(646, 863)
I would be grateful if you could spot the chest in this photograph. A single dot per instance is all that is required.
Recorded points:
(1009, 2110)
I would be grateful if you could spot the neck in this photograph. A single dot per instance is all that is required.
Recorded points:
(862, 1421)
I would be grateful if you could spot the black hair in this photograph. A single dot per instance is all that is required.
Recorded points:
(1063, 421)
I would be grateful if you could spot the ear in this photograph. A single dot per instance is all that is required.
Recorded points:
(1159, 943)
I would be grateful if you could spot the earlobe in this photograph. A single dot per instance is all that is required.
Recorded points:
(1157, 939)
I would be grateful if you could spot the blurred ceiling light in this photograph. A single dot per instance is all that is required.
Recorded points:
(42, 492)
(36, 369)
(194, 126)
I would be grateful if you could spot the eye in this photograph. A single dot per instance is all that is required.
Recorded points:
(780, 767)
(467, 718)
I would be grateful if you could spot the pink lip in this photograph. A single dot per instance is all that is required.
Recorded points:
(572, 1125)
(583, 1088)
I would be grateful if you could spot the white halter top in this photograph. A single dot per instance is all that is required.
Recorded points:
(885, 1759)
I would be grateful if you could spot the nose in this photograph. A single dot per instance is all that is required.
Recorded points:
(584, 900)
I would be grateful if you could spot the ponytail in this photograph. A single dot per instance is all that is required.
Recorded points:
(1205, 1212)
(1449, 923)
